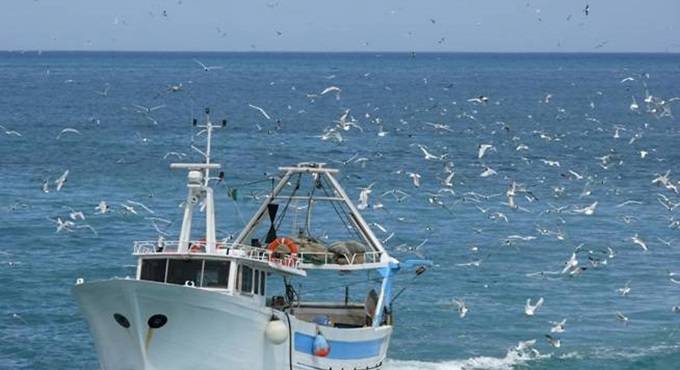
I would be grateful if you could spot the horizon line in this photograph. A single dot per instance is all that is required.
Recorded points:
(410, 52)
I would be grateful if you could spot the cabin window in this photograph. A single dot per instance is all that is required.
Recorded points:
(154, 269)
(216, 274)
(246, 279)
(263, 277)
(181, 271)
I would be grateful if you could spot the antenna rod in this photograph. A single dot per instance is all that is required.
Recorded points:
(209, 126)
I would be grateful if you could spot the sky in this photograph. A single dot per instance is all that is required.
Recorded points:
(350, 25)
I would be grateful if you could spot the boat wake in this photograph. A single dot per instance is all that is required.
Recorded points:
(512, 358)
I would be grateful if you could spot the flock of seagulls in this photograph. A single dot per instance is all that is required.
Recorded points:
(444, 190)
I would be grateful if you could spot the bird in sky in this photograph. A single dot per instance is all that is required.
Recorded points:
(207, 68)
(553, 341)
(558, 326)
(482, 149)
(638, 241)
(588, 211)
(363, 197)
(531, 309)
(102, 207)
(66, 131)
(10, 132)
(462, 307)
(61, 180)
(264, 113)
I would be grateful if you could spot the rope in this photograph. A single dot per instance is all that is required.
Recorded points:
(290, 199)
(344, 211)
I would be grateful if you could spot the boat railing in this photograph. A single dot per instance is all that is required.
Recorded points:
(165, 247)
(302, 259)
(311, 259)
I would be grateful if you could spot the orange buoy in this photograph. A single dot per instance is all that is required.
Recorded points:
(288, 243)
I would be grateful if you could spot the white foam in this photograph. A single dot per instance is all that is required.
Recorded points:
(513, 357)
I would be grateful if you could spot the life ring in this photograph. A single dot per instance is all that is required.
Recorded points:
(290, 244)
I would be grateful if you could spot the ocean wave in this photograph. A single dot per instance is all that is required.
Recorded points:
(522, 353)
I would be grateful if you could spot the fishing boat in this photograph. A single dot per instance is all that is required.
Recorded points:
(210, 303)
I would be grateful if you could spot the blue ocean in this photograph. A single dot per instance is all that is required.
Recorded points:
(497, 167)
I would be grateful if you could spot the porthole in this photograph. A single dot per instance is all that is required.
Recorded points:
(157, 321)
(121, 320)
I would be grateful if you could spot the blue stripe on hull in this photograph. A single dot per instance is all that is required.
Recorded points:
(341, 350)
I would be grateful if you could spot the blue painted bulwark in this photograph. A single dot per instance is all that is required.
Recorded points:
(340, 350)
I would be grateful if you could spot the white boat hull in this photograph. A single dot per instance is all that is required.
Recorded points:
(210, 330)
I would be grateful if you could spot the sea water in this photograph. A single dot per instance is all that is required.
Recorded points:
(561, 107)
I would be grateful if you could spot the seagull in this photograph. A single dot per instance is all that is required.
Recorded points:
(587, 9)
(334, 89)
(551, 163)
(140, 205)
(665, 180)
(76, 215)
(179, 155)
(175, 88)
(18, 317)
(102, 208)
(671, 274)
(479, 100)
(588, 211)
(10, 132)
(625, 290)
(129, 209)
(522, 238)
(363, 197)
(88, 227)
(430, 156)
(474, 263)
(68, 130)
(488, 171)
(483, 148)
(448, 181)
(331, 134)
(558, 326)
(379, 226)
(462, 307)
(527, 345)
(346, 122)
(61, 180)
(415, 178)
(46, 186)
(146, 110)
(622, 317)
(571, 264)
(104, 92)
(331, 89)
(636, 202)
(439, 126)
(627, 79)
(261, 111)
(610, 253)
(499, 216)
(529, 309)
(207, 68)
(63, 225)
(636, 240)
(667, 203)
(553, 341)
